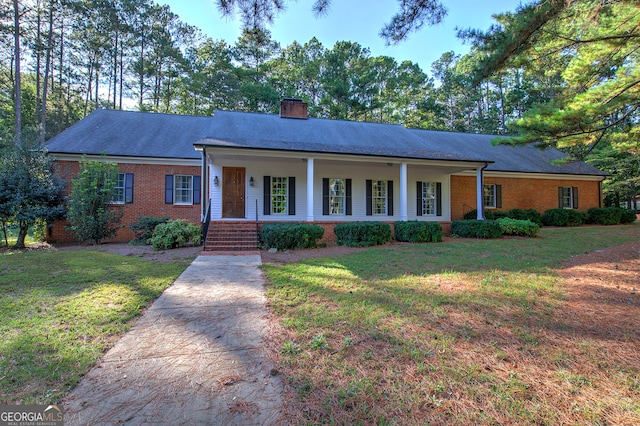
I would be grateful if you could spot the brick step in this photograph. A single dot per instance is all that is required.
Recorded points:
(231, 236)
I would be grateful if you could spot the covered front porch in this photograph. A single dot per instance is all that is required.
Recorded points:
(249, 185)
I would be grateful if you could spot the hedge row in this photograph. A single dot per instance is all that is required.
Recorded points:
(362, 234)
(418, 232)
(290, 236)
(476, 228)
(562, 217)
(519, 214)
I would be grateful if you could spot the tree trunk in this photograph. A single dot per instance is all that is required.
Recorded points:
(22, 235)
(45, 85)
(18, 93)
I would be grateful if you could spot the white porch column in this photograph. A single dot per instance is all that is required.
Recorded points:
(403, 191)
(310, 189)
(480, 192)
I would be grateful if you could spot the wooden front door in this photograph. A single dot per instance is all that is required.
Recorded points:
(233, 187)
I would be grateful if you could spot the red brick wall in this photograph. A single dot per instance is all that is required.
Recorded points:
(538, 194)
(148, 197)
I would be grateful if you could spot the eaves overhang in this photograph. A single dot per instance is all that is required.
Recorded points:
(211, 145)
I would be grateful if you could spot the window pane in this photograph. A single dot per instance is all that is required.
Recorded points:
(183, 189)
(118, 190)
(279, 195)
(489, 196)
(336, 196)
(428, 198)
(379, 197)
(567, 199)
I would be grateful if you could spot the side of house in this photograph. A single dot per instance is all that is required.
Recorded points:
(145, 188)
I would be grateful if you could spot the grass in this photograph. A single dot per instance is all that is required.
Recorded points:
(451, 333)
(59, 311)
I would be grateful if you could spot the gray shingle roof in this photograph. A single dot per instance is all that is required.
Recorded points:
(139, 134)
(135, 134)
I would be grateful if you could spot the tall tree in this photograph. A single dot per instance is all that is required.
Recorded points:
(18, 93)
(413, 14)
(593, 45)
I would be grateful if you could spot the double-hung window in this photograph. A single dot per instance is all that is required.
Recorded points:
(492, 196)
(279, 194)
(428, 198)
(568, 197)
(123, 189)
(336, 196)
(182, 189)
(379, 197)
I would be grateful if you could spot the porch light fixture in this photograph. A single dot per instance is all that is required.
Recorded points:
(216, 182)
(251, 181)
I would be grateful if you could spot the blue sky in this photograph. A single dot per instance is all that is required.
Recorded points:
(353, 20)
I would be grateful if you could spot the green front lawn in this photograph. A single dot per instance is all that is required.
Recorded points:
(60, 310)
(462, 332)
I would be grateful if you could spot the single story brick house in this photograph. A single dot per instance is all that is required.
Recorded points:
(239, 168)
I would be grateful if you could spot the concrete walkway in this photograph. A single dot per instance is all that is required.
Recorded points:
(194, 358)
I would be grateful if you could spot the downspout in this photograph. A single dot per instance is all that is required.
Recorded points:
(480, 192)
(204, 190)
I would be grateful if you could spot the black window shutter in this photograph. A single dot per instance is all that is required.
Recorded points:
(128, 188)
(419, 198)
(325, 196)
(292, 196)
(168, 189)
(266, 202)
(196, 189)
(369, 192)
(560, 197)
(438, 199)
(574, 194)
(390, 198)
(347, 190)
(498, 196)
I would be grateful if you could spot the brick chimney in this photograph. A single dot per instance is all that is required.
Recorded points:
(293, 108)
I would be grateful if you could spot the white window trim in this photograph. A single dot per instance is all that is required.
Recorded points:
(284, 184)
(570, 196)
(123, 188)
(175, 190)
(384, 185)
(342, 197)
(492, 196)
(426, 197)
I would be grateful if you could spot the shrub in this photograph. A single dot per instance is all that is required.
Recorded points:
(143, 228)
(176, 233)
(525, 228)
(362, 234)
(90, 213)
(476, 229)
(529, 214)
(418, 232)
(563, 217)
(604, 215)
(627, 216)
(284, 236)
(520, 214)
